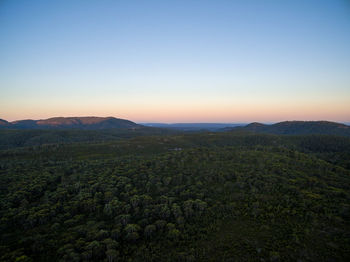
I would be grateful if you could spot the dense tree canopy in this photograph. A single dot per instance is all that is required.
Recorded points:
(200, 197)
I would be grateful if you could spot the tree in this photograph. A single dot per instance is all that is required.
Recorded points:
(132, 232)
(149, 231)
(112, 255)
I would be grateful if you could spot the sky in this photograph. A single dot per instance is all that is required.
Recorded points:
(176, 61)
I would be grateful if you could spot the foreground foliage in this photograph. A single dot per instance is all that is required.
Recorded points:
(201, 197)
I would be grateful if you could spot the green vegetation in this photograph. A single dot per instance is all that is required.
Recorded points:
(299, 128)
(10, 138)
(185, 197)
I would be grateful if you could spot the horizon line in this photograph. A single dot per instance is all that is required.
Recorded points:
(185, 122)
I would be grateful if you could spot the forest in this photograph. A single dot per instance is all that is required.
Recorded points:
(205, 196)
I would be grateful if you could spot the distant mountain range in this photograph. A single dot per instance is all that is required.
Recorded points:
(297, 128)
(193, 126)
(89, 123)
(100, 123)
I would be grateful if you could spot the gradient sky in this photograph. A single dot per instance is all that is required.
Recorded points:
(176, 61)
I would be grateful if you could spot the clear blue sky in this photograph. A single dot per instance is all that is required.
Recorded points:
(176, 61)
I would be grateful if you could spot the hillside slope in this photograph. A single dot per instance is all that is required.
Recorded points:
(4, 123)
(90, 123)
(299, 128)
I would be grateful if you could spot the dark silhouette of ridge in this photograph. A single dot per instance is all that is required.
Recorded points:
(194, 126)
(299, 128)
(91, 123)
(99, 123)
(4, 123)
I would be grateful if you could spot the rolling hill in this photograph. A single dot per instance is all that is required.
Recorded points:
(298, 128)
(4, 123)
(194, 126)
(90, 123)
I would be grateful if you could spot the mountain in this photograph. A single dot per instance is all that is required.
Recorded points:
(4, 123)
(193, 126)
(299, 128)
(24, 124)
(90, 123)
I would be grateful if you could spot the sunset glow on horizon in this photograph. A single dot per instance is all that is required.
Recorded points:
(180, 61)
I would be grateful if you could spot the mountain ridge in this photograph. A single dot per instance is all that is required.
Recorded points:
(297, 128)
(4, 122)
(86, 122)
(100, 123)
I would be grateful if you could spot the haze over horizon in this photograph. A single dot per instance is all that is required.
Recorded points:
(184, 122)
(181, 61)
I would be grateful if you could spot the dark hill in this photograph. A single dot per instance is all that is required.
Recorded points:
(195, 126)
(91, 123)
(4, 123)
(23, 124)
(299, 128)
(255, 126)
